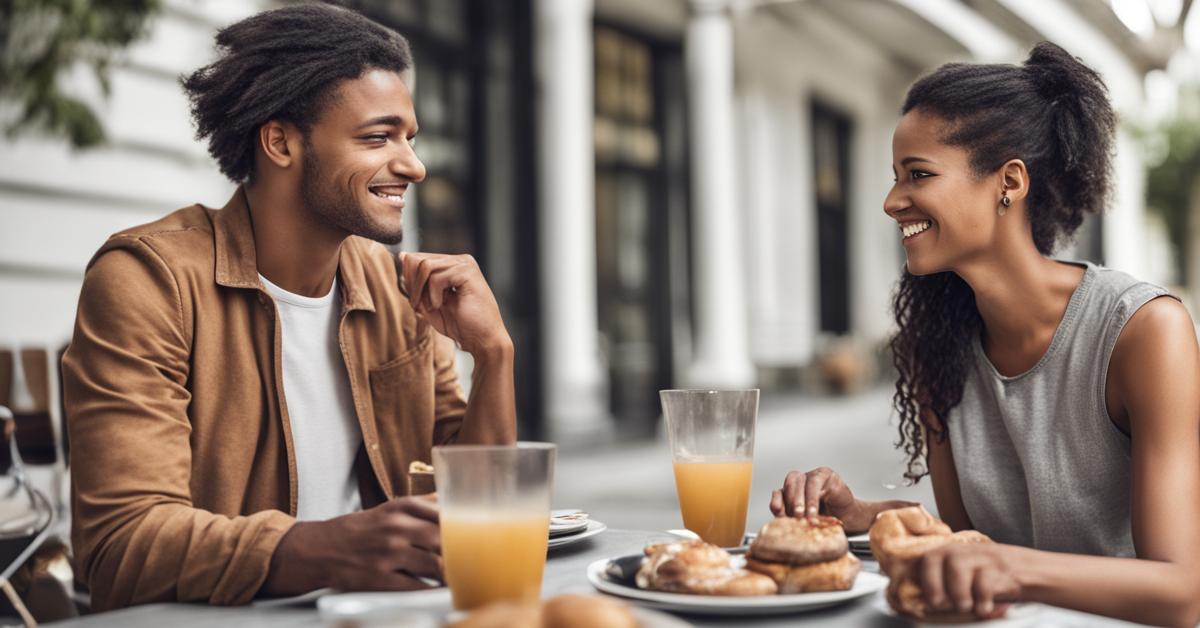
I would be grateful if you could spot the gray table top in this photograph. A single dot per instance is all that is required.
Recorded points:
(566, 573)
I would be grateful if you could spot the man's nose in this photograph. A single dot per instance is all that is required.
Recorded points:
(409, 166)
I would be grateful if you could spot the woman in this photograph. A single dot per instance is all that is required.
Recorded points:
(1054, 405)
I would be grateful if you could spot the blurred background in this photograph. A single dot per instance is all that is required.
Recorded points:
(662, 193)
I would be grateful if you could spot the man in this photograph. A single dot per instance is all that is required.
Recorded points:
(242, 381)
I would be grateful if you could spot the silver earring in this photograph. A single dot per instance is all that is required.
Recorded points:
(1005, 202)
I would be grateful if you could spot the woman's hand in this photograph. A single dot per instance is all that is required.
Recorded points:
(821, 491)
(978, 578)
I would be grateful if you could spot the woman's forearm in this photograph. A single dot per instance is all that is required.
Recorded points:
(1146, 591)
(868, 510)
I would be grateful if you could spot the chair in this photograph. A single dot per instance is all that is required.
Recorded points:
(26, 515)
(29, 381)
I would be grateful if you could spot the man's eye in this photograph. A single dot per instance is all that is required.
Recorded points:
(376, 137)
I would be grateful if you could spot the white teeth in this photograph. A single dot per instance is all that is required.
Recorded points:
(913, 228)
(390, 197)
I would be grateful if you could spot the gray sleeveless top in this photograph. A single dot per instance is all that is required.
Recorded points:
(1039, 462)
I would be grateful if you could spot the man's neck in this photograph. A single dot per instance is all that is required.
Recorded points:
(295, 250)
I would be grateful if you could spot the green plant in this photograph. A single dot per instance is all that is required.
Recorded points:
(40, 40)
(1172, 182)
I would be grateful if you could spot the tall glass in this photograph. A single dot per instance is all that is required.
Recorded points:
(495, 520)
(712, 444)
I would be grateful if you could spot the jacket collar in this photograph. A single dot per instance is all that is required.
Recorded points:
(237, 264)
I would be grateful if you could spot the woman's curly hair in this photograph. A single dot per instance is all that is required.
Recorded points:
(1053, 113)
(282, 64)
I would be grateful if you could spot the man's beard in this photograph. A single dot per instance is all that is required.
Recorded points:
(322, 199)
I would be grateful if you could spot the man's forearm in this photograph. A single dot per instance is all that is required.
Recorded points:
(290, 572)
(491, 417)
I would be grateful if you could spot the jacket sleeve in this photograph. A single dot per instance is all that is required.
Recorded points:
(449, 404)
(136, 535)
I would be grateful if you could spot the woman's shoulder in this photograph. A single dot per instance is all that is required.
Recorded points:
(1115, 296)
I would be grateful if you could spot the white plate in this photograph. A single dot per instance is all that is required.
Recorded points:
(1018, 616)
(401, 609)
(860, 540)
(593, 528)
(567, 521)
(614, 576)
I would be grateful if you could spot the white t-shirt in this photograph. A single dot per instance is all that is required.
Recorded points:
(325, 432)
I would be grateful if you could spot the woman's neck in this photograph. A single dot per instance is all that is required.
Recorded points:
(1022, 297)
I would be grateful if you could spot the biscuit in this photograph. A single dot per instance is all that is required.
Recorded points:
(797, 542)
(832, 575)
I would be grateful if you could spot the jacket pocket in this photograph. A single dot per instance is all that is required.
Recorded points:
(402, 394)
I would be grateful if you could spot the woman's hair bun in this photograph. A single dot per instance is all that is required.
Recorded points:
(1057, 74)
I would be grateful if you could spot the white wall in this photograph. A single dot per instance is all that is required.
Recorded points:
(781, 68)
(57, 206)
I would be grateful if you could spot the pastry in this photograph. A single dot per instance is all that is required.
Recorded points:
(804, 541)
(698, 568)
(804, 555)
(830, 575)
(563, 611)
(586, 611)
(420, 478)
(900, 536)
(903, 534)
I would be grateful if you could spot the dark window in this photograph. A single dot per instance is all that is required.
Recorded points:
(640, 215)
(831, 132)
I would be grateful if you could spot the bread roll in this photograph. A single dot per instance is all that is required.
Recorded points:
(586, 611)
(802, 541)
(832, 575)
(901, 536)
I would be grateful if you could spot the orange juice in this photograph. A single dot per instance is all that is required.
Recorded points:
(493, 556)
(713, 497)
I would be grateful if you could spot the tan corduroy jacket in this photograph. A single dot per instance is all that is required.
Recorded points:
(183, 473)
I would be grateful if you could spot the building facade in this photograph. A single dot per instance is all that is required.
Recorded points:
(662, 194)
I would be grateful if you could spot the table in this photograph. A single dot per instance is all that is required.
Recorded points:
(566, 573)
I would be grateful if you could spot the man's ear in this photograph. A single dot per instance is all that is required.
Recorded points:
(1015, 177)
(281, 142)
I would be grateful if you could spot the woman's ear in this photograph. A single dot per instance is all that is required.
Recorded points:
(1014, 179)
(280, 142)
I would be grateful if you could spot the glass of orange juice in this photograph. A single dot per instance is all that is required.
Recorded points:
(712, 444)
(495, 520)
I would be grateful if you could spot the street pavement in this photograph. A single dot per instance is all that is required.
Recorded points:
(631, 485)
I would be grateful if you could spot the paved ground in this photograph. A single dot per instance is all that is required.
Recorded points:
(632, 486)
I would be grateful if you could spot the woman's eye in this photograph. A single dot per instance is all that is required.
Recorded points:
(412, 141)
(919, 174)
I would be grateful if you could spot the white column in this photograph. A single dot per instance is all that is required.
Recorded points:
(722, 357)
(574, 375)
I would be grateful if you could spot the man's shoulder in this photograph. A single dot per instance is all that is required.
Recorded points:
(182, 236)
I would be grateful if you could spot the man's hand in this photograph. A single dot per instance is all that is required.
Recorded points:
(385, 548)
(449, 292)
